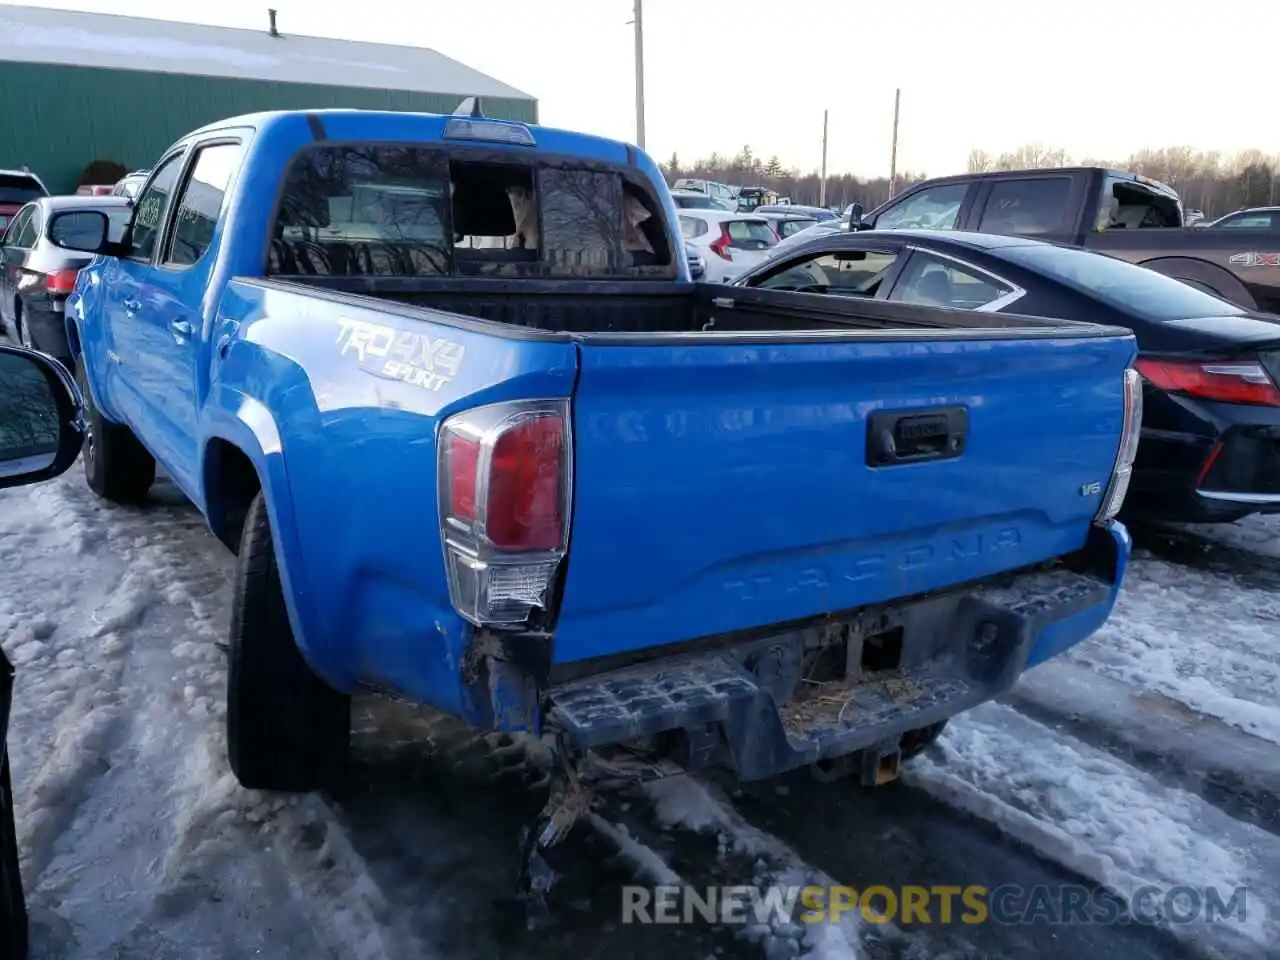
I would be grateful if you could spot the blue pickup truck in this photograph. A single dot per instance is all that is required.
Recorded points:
(446, 387)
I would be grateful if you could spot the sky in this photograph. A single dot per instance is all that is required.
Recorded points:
(1100, 80)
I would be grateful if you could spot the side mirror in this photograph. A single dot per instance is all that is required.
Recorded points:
(84, 231)
(41, 417)
(855, 216)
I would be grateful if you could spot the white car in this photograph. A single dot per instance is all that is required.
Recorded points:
(730, 243)
(819, 229)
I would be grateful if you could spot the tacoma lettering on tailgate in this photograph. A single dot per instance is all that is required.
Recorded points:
(818, 578)
(414, 358)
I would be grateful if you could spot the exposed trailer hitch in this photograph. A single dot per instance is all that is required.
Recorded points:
(578, 778)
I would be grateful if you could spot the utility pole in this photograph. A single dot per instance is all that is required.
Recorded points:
(893, 157)
(639, 25)
(822, 184)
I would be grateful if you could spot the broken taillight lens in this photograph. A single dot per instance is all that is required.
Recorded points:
(504, 507)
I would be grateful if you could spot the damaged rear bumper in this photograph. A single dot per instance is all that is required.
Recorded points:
(814, 693)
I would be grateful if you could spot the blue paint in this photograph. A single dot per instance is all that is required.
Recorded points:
(719, 486)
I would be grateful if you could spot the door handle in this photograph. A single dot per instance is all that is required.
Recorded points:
(132, 306)
(181, 329)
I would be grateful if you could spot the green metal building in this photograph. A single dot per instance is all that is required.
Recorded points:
(78, 87)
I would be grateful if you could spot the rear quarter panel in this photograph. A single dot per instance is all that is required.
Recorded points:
(356, 432)
(1251, 256)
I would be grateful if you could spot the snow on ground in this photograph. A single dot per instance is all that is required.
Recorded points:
(1198, 638)
(1259, 535)
(1148, 755)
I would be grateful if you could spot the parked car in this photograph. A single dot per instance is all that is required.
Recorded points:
(819, 228)
(95, 190)
(545, 483)
(722, 193)
(38, 274)
(697, 263)
(784, 224)
(41, 433)
(749, 198)
(129, 185)
(687, 200)
(729, 242)
(1210, 447)
(798, 210)
(18, 187)
(1251, 218)
(1131, 217)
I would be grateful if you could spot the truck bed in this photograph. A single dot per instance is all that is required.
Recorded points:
(624, 309)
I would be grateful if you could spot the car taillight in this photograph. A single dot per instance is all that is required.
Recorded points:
(505, 494)
(1130, 432)
(720, 247)
(60, 281)
(1230, 381)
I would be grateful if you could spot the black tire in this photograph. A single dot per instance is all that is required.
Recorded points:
(117, 466)
(13, 909)
(916, 742)
(287, 729)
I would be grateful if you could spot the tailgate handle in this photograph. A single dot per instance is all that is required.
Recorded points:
(913, 436)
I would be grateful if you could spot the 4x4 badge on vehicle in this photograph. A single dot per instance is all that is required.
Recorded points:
(1256, 259)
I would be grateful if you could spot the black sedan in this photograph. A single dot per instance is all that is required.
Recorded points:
(1210, 448)
(37, 275)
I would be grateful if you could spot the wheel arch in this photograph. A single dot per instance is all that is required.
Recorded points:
(1219, 279)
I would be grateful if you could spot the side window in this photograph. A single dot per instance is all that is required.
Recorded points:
(200, 202)
(850, 273)
(1248, 221)
(934, 208)
(148, 216)
(16, 227)
(30, 230)
(691, 227)
(938, 282)
(1026, 207)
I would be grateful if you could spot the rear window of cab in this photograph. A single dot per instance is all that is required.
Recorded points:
(377, 210)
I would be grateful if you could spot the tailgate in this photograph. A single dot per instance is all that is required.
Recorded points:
(726, 486)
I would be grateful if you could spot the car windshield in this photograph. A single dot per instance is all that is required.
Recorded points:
(17, 188)
(1136, 290)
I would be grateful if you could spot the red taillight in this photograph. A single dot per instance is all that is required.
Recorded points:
(1229, 381)
(505, 490)
(720, 247)
(61, 281)
(523, 508)
(463, 457)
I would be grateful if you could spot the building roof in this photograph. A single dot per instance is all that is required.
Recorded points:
(73, 38)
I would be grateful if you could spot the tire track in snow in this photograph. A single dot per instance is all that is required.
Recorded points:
(1080, 807)
(1195, 637)
(1234, 771)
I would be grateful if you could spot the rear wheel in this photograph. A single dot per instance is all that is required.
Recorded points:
(116, 466)
(286, 728)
